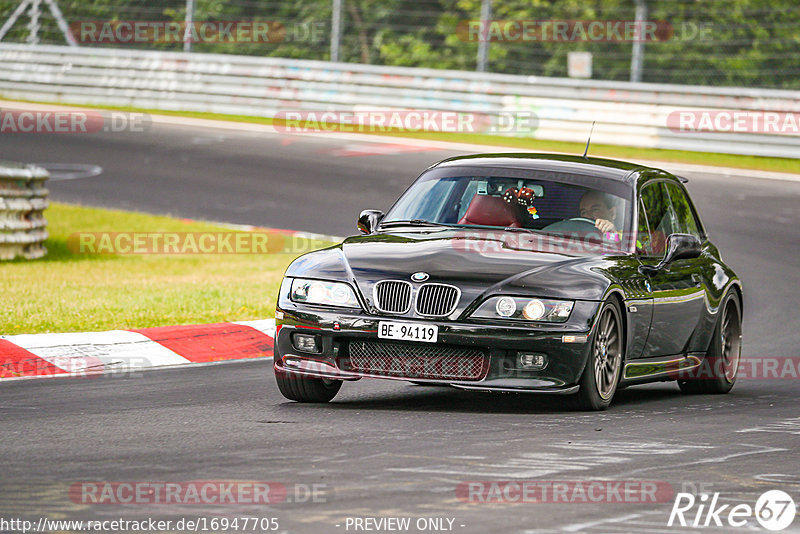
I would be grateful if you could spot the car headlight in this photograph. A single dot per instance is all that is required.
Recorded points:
(323, 293)
(525, 309)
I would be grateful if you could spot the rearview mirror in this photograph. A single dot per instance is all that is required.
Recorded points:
(368, 220)
(679, 247)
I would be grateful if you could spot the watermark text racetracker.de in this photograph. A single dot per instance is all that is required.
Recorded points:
(580, 31)
(170, 243)
(564, 491)
(734, 121)
(39, 121)
(82, 361)
(132, 32)
(495, 243)
(562, 31)
(748, 368)
(504, 122)
(195, 492)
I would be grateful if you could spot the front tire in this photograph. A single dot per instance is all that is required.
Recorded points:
(305, 388)
(717, 373)
(603, 368)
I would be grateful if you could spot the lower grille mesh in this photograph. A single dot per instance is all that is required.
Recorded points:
(417, 361)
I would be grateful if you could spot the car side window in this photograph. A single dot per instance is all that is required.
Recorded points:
(659, 219)
(686, 222)
(643, 244)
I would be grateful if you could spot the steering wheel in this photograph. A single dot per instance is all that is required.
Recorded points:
(583, 219)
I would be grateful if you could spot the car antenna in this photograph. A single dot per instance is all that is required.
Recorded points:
(588, 140)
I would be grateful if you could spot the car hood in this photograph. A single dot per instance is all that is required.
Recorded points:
(478, 262)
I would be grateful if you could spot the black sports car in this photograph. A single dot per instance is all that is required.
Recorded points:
(517, 273)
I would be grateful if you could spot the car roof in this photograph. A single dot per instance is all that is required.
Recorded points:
(606, 168)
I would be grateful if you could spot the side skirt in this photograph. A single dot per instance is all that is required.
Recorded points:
(659, 368)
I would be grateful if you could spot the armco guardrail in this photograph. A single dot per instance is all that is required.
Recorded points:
(23, 200)
(633, 114)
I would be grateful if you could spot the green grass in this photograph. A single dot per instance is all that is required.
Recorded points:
(787, 164)
(68, 291)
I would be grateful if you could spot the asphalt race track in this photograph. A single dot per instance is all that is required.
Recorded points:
(385, 449)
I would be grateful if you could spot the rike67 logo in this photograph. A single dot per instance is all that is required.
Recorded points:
(774, 510)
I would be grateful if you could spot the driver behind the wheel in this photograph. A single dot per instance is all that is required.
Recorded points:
(599, 207)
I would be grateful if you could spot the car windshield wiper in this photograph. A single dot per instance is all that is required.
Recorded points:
(501, 228)
(412, 222)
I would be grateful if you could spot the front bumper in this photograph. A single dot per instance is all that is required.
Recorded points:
(499, 344)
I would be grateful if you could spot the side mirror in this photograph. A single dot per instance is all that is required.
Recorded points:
(679, 247)
(368, 220)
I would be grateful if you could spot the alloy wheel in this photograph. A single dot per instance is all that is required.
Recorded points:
(607, 354)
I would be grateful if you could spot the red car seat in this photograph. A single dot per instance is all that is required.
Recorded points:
(490, 211)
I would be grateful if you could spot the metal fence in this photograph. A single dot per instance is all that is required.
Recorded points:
(23, 199)
(709, 42)
(632, 114)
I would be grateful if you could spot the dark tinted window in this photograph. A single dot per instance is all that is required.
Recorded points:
(643, 245)
(660, 219)
(685, 220)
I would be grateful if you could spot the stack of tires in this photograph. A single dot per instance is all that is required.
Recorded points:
(23, 199)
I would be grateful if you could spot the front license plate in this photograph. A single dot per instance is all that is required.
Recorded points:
(408, 331)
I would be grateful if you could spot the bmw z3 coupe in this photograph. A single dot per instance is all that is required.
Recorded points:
(531, 273)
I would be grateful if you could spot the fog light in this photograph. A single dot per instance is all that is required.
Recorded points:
(532, 361)
(306, 343)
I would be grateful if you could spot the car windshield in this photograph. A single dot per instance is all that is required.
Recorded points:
(568, 206)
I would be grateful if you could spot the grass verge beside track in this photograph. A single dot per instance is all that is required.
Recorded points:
(70, 291)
